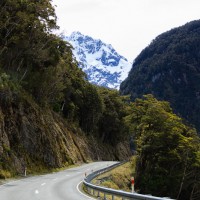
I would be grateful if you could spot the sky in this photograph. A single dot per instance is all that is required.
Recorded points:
(128, 25)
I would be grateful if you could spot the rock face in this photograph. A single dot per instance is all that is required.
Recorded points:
(102, 64)
(169, 68)
(39, 139)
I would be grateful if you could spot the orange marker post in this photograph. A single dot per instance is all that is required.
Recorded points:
(132, 184)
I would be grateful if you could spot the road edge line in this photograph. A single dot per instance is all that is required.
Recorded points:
(77, 187)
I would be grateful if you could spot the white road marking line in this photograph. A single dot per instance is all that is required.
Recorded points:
(67, 175)
(77, 187)
(36, 192)
(43, 184)
(54, 179)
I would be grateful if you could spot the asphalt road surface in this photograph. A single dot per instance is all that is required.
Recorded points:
(63, 185)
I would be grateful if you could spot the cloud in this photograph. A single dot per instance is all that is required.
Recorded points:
(129, 25)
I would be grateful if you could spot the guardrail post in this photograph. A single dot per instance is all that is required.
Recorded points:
(104, 196)
(98, 194)
(113, 197)
(132, 184)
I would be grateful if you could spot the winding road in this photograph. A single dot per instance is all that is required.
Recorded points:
(63, 185)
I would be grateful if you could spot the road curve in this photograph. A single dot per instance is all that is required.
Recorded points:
(56, 186)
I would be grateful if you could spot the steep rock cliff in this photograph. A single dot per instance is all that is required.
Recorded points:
(38, 138)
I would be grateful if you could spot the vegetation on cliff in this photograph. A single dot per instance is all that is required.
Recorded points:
(50, 116)
(169, 68)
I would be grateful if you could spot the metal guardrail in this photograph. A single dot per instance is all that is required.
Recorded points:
(98, 191)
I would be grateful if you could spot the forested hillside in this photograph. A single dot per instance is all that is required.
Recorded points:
(169, 68)
(167, 147)
(50, 115)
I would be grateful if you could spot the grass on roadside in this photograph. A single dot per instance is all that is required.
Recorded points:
(4, 174)
(118, 178)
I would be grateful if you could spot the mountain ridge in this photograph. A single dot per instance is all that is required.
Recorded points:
(100, 61)
(169, 68)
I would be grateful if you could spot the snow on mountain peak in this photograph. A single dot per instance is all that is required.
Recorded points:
(102, 64)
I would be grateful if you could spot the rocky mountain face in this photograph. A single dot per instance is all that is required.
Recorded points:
(41, 139)
(100, 61)
(169, 68)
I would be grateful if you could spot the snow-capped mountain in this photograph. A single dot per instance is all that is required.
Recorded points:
(102, 64)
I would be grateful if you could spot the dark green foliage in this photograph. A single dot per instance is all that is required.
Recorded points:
(38, 60)
(169, 68)
(30, 53)
(98, 111)
(168, 151)
(83, 104)
(25, 38)
(111, 124)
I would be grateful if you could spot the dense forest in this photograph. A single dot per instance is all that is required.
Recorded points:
(51, 116)
(169, 68)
